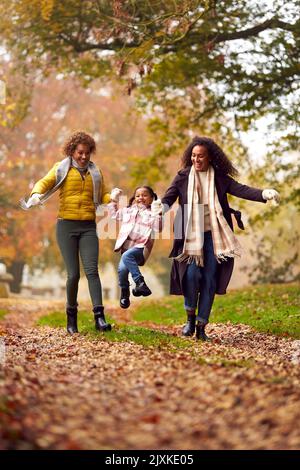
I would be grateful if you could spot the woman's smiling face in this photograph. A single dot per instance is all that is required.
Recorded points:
(82, 154)
(200, 158)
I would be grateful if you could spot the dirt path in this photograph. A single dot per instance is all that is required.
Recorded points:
(61, 392)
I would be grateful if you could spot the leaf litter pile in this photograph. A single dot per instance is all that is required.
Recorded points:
(84, 392)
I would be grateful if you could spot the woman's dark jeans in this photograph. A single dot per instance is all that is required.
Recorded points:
(74, 237)
(199, 283)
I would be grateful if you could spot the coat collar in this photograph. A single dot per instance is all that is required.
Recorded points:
(221, 180)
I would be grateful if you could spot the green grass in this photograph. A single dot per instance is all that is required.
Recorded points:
(268, 308)
(3, 313)
(122, 333)
(146, 337)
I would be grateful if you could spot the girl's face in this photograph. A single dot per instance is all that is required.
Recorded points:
(143, 197)
(82, 154)
(200, 158)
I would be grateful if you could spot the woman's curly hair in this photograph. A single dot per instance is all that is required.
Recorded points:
(76, 139)
(218, 158)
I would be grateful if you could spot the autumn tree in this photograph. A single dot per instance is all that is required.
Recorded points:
(211, 67)
(29, 149)
(194, 62)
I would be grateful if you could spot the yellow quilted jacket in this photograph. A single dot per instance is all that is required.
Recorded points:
(75, 194)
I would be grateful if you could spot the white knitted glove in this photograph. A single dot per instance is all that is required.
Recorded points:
(156, 208)
(115, 194)
(34, 200)
(271, 195)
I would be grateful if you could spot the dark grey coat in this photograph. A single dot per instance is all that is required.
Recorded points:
(178, 190)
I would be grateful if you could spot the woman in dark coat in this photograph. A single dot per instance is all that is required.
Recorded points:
(204, 243)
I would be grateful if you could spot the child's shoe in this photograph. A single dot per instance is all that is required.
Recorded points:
(141, 288)
(124, 298)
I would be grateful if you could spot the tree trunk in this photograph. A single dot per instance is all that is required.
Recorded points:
(16, 269)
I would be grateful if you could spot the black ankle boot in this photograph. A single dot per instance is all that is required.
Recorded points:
(141, 288)
(100, 322)
(189, 327)
(200, 332)
(72, 320)
(124, 298)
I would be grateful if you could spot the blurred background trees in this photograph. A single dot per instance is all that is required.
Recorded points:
(143, 77)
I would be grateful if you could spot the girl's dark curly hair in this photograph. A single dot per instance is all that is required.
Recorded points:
(218, 159)
(76, 139)
(150, 191)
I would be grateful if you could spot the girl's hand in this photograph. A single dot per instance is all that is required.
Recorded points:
(115, 194)
(271, 195)
(156, 208)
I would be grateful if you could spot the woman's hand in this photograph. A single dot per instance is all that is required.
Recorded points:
(156, 208)
(271, 195)
(34, 200)
(115, 194)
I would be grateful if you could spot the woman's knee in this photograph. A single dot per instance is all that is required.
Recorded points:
(210, 284)
(92, 273)
(210, 277)
(192, 279)
(73, 278)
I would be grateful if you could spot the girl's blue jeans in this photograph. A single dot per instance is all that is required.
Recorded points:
(129, 263)
(199, 283)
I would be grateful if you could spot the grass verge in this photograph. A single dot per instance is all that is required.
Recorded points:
(268, 308)
(139, 335)
(3, 313)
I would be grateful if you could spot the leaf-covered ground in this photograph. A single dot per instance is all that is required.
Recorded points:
(89, 391)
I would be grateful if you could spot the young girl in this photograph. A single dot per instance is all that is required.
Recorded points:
(140, 219)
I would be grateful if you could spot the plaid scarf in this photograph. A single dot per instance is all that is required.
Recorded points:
(225, 243)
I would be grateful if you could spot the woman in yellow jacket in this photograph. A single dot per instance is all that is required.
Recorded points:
(81, 190)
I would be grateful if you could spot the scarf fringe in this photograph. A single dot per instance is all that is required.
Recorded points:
(189, 259)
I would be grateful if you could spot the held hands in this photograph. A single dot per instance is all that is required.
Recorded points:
(34, 200)
(271, 195)
(115, 194)
(156, 208)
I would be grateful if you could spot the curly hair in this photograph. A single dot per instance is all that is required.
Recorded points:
(218, 158)
(150, 191)
(75, 139)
